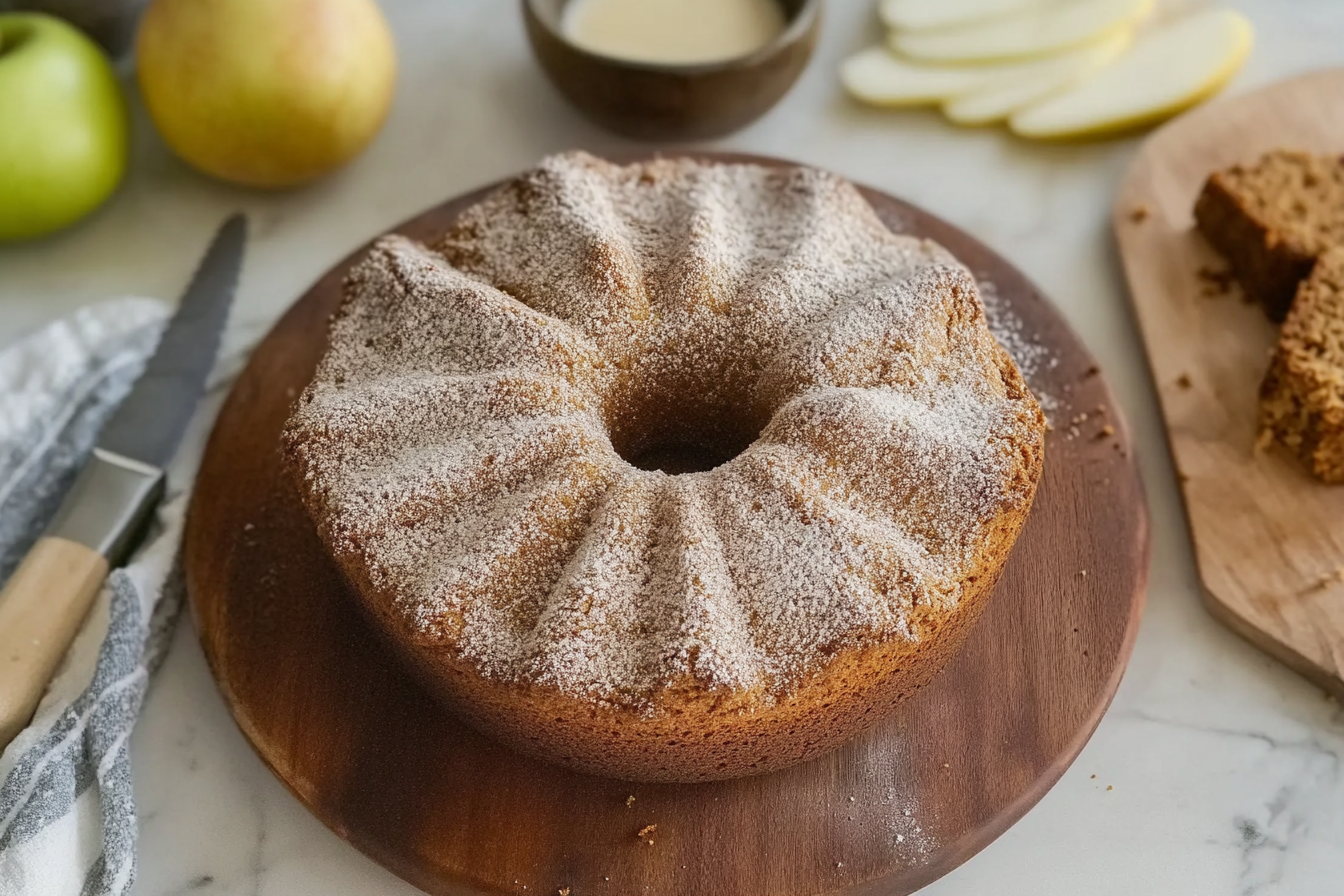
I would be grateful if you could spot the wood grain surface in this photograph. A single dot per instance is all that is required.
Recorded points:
(1269, 539)
(353, 737)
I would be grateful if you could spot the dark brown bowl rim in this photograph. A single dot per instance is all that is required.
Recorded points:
(802, 22)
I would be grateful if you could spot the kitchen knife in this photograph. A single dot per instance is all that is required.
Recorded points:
(47, 598)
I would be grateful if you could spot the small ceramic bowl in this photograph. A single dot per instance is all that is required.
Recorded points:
(657, 101)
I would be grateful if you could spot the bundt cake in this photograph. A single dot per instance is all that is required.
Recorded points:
(668, 471)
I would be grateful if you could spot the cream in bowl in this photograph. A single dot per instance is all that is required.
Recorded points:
(672, 69)
(672, 32)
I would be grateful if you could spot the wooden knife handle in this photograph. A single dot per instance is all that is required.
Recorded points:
(41, 609)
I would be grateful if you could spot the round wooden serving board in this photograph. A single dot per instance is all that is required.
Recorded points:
(386, 768)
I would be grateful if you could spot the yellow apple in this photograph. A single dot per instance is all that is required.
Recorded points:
(267, 93)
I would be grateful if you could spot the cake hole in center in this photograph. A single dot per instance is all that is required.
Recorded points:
(690, 441)
(674, 458)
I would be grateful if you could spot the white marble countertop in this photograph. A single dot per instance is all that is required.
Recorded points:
(1225, 767)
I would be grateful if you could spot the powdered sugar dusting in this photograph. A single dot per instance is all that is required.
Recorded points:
(465, 442)
(1030, 355)
(909, 837)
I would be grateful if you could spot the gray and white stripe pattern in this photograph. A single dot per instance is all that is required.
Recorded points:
(67, 811)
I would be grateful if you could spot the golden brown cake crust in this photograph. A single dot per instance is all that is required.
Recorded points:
(1273, 219)
(1302, 397)
(485, 447)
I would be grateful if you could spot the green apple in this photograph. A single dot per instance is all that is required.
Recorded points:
(63, 126)
(267, 93)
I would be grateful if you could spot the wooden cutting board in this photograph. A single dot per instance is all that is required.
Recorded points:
(1269, 539)
(339, 722)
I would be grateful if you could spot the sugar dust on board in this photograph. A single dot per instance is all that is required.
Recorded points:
(677, 32)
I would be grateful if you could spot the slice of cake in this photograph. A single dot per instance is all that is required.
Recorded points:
(1273, 219)
(1302, 397)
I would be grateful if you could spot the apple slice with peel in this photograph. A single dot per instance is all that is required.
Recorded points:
(995, 101)
(881, 78)
(1167, 70)
(1034, 32)
(915, 14)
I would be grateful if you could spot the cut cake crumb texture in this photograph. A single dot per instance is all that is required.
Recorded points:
(1302, 397)
(1273, 219)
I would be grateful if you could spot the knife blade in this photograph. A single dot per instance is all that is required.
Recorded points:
(150, 422)
(48, 596)
(124, 479)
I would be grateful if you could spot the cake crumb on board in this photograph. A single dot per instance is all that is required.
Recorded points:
(1215, 282)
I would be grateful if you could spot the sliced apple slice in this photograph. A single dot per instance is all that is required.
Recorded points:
(1035, 32)
(995, 101)
(915, 14)
(880, 78)
(1166, 71)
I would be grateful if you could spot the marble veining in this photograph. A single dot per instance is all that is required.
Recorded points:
(1217, 771)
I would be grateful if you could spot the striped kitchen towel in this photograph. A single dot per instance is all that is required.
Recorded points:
(67, 811)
